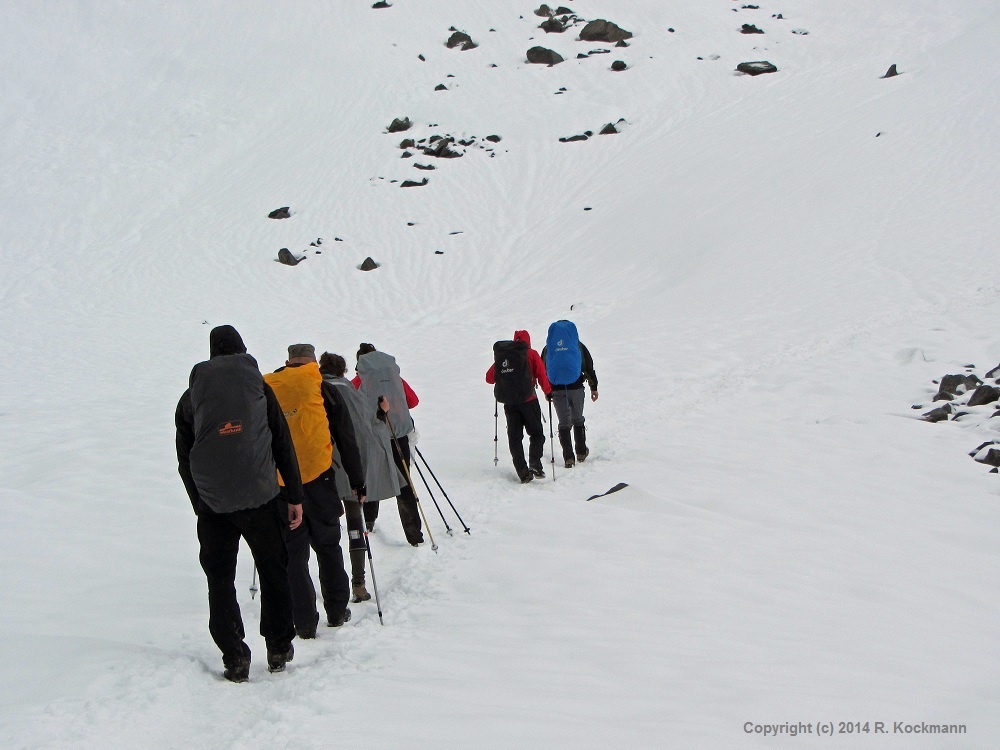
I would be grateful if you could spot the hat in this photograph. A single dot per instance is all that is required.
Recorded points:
(302, 350)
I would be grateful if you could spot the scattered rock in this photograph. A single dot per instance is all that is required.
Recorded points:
(421, 58)
(280, 213)
(398, 125)
(751, 7)
(413, 183)
(986, 454)
(938, 415)
(890, 73)
(439, 252)
(609, 129)
(618, 65)
(285, 256)
(749, 28)
(424, 166)
(493, 138)
(406, 155)
(604, 31)
(622, 43)
(756, 68)
(440, 87)
(984, 394)
(368, 265)
(800, 32)
(994, 373)
(381, 4)
(572, 138)
(554, 25)
(543, 10)
(461, 40)
(955, 385)
(543, 56)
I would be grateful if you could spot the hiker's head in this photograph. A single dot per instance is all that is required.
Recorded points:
(364, 349)
(332, 364)
(300, 354)
(225, 340)
(522, 336)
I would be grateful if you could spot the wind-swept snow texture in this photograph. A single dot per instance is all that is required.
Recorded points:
(772, 270)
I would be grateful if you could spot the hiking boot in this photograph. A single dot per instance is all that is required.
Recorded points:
(306, 633)
(581, 457)
(415, 539)
(361, 593)
(276, 660)
(525, 475)
(336, 622)
(238, 671)
(370, 526)
(570, 462)
(538, 471)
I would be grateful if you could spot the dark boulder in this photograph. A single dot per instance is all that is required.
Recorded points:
(618, 65)
(543, 56)
(994, 373)
(756, 68)
(749, 28)
(604, 31)
(368, 265)
(984, 394)
(280, 213)
(955, 385)
(609, 129)
(938, 415)
(399, 124)
(440, 87)
(381, 4)
(285, 256)
(891, 71)
(543, 10)
(553, 26)
(414, 183)
(461, 40)
(985, 454)
(572, 138)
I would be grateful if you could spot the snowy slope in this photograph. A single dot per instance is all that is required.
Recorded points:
(772, 271)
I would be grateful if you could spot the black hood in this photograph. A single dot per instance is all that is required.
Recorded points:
(225, 340)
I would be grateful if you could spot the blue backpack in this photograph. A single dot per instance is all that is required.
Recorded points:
(563, 358)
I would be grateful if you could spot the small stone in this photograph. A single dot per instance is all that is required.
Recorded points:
(891, 71)
(399, 124)
(618, 65)
(368, 265)
(280, 213)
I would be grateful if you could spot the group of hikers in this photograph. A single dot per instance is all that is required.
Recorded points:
(278, 458)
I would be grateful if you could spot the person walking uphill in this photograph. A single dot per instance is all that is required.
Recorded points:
(382, 479)
(317, 418)
(378, 375)
(568, 364)
(516, 370)
(231, 436)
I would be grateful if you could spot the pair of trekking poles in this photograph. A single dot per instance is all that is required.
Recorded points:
(496, 436)
(364, 528)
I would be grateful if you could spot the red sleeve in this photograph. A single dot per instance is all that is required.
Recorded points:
(356, 382)
(490, 377)
(538, 370)
(411, 397)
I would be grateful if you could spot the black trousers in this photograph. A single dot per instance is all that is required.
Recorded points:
(521, 418)
(219, 535)
(320, 530)
(406, 501)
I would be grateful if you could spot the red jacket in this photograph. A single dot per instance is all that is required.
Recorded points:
(411, 397)
(534, 362)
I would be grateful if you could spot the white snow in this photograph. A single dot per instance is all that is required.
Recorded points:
(773, 270)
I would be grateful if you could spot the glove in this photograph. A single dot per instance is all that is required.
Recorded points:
(361, 492)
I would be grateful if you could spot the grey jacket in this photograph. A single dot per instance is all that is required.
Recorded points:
(382, 478)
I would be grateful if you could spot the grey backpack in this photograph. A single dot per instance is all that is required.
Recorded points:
(379, 375)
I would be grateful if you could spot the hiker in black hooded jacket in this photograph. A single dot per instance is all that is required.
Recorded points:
(231, 438)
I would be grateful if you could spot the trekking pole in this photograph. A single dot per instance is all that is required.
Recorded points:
(496, 431)
(371, 562)
(409, 480)
(421, 456)
(431, 493)
(552, 445)
(254, 588)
